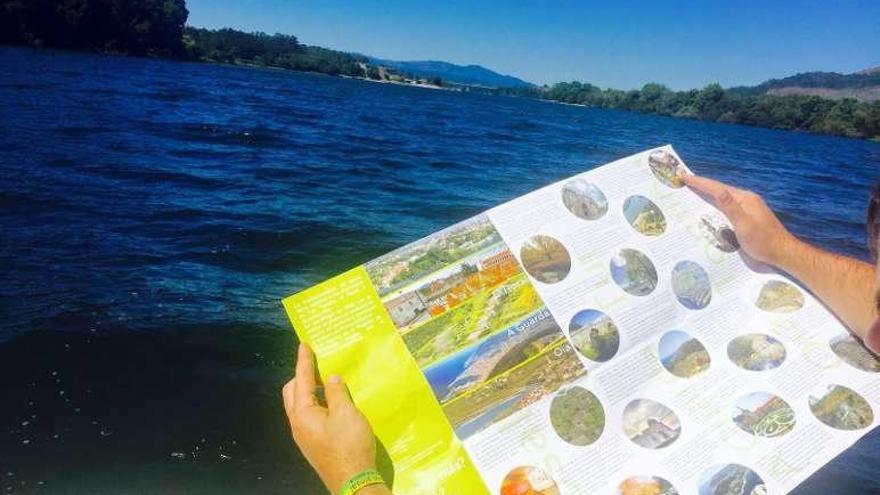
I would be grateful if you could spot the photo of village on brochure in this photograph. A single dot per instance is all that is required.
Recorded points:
(474, 323)
(616, 315)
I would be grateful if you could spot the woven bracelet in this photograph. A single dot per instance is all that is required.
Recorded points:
(361, 480)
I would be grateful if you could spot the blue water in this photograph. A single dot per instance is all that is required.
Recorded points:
(153, 213)
(442, 374)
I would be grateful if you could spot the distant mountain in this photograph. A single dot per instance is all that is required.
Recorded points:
(863, 85)
(472, 75)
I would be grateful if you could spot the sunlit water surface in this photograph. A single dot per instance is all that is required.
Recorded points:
(153, 213)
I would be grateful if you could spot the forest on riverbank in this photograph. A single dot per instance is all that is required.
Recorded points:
(841, 117)
(158, 28)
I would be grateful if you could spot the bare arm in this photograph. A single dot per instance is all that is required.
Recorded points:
(845, 285)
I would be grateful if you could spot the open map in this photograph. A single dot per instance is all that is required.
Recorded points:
(601, 335)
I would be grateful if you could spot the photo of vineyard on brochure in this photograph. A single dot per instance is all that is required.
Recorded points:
(603, 334)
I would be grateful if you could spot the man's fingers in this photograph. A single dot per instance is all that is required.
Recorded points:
(726, 197)
(337, 394)
(709, 187)
(729, 205)
(304, 392)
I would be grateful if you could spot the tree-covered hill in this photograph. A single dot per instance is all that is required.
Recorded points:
(841, 117)
(278, 50)
(825, 80)
(862, 86)
(137, 27)
(816, 101)
(474, 75)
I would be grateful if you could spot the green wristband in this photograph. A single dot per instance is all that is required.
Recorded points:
(361, 480)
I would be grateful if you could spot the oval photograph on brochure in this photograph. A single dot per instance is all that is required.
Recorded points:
(682, 355)
(666, 168)
(584, 199)
(731, 479)
(577, 416)
(545, 259)
(528, 480)
(633, 272)
(644, 216)
(777, 296)
(756, 352)
(644, 485)
(841, 408)
(763, 415)
(854, 353)
(691, 285)
(717, 232)
(594, 335)
(650, 424)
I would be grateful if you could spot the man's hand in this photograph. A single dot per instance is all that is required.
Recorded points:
(336, 440)
(759, 232)
(845, 285)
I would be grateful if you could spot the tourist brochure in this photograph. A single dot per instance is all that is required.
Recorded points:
(601, 335)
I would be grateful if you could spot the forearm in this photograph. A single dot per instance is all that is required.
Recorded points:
(844, 284)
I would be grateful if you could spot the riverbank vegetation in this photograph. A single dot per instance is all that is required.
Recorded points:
(278, 50)
(142, 27)
(158, 28)
(843, 117)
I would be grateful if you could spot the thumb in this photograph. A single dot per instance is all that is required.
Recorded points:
(729, 205)
(336, 393)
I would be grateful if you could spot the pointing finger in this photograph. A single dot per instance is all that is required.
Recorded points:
(707, 186)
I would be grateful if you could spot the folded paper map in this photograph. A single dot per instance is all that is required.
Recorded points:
(601, 335)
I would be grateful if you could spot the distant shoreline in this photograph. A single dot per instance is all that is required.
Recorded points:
(420, 84)
(399, 83)
(545, 95)
(817, 102)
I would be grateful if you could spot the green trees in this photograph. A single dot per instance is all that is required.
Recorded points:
(843, 117)
(229, 45)
(277, 50)
(156, 27)
(137, 27)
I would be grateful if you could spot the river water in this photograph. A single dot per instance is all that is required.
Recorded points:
(153, 213)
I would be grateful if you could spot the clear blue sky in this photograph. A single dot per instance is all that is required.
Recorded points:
(616, 43)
